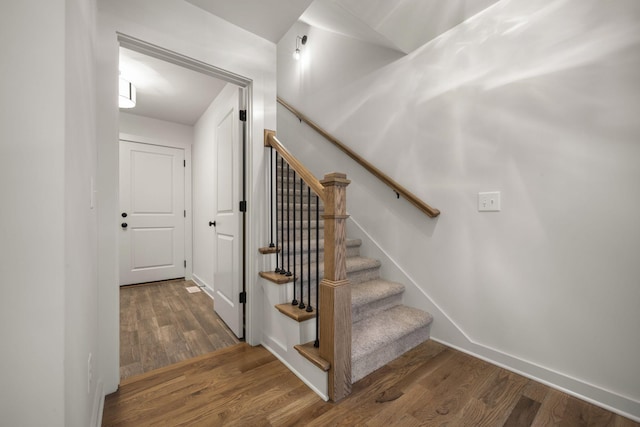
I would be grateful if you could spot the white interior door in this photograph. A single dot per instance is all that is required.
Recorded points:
(228, 237)
(152, 213)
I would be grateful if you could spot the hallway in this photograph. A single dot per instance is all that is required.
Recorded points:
(162, 323)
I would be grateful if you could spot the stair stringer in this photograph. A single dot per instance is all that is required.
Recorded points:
(280, 334)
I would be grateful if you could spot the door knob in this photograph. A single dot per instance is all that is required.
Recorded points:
(124, 214)
(124, 225)
(212, 223)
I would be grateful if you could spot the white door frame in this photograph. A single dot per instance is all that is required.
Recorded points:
(247, 262)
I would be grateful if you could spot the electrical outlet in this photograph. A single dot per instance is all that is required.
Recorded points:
(489, 201)
(89, 373)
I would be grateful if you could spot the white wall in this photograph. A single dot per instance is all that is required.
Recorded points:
(538, 100)
(185, 29)
(32, 167)
(48, 306)
(153, 131)
(83, 390)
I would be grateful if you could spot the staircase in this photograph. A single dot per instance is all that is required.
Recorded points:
(382, 328)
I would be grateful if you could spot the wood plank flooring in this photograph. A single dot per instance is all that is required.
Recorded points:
(162, 323)
(432, 385)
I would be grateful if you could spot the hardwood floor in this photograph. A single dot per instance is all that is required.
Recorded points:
(431, 385)
(162, 323)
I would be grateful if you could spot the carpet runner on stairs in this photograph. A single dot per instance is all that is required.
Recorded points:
(383, 328)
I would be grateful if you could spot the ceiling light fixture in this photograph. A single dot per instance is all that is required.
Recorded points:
(127, 92)
(299, 40)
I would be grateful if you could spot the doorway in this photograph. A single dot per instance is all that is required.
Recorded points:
(152, 208)
(166, 322)
(226, 283)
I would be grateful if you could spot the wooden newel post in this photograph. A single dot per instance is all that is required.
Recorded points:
(335, 292)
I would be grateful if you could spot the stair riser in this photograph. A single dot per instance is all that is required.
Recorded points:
(351, 252)
(375, 307)
(291, 225)
(295, 196)
(291, 207)
(369, 363)
(289, 182)
(298, 214)
(364, 275)
(356, 314)
(295, 202)
(298, 231)
(283, 245)
(353, 277)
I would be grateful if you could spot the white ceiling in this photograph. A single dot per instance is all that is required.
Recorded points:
(403, 25)
(173, 93)
(167, 91)
(270, 19)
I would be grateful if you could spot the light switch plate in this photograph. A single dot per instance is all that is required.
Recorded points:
(489, 201)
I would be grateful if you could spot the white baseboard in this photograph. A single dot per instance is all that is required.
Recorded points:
(202, 284)
(198, 281)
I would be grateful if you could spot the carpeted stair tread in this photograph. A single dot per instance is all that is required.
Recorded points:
(291, 224)
(378, 331)
(352, 246)
(371, 297)
(382, 327)
(359, 269)
(355, 265)
(378, 339)
(350, 243)
(358, 263)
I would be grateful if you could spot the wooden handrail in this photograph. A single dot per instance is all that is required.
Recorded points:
(270, 140)
(399, 189)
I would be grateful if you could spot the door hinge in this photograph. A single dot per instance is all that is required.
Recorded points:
(184, 163)
(243, 206)
(185, 263)
(243, 115)
(243, 297)
(185, 213)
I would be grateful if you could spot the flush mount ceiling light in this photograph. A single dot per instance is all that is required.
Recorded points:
(127, 91)
(299, 41)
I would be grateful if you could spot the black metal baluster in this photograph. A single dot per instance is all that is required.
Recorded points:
(278, 177)
(288, 272)
(280, 253)
(301, 305)
(316, 344)
(309, 307)
(295, 277)
(271, 244)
